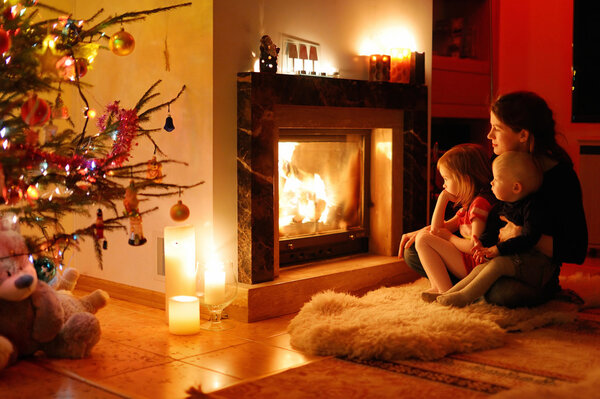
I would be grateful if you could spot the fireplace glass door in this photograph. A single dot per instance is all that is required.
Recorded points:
(322, 196)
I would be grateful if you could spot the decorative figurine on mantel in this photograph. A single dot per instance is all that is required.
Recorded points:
(268, 55)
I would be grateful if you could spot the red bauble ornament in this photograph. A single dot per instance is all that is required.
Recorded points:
(35, 111)
(5, 41)
(179, 212)
(121, 43)
(66, 67)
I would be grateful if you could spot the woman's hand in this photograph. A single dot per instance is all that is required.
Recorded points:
(509, 231)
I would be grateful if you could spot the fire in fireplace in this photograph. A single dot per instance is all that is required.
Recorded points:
(322, 193)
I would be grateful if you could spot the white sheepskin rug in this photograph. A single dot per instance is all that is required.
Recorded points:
(395, 323)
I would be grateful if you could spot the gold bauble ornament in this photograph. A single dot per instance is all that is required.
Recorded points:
(179, 212)
(121, 43)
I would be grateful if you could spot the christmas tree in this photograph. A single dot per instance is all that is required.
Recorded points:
(48, 172)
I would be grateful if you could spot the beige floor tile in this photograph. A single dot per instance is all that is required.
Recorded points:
(107, 359)
(250, 360)
(26, 380)
(262, 329)
(168, 381)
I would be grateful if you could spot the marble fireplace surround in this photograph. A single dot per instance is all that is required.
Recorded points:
(395, 113)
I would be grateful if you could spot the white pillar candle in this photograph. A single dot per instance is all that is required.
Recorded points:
(180, 262)
(184, 315)
(214, 286)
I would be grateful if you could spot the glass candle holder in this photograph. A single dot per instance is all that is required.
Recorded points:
(216, 288)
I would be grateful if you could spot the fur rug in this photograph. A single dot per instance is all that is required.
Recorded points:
(394, 323)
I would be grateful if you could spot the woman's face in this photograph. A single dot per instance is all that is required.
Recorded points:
(505, 139)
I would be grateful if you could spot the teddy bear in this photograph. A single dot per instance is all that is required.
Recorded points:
(36, 317)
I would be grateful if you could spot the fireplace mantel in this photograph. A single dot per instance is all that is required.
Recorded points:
(267, 102)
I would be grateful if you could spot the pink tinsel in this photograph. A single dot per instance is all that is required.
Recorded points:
(127, 127)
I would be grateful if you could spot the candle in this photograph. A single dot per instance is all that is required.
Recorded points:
(180, 262)
(400, 68)
(184, 315)
(379, 68)
(214, 284)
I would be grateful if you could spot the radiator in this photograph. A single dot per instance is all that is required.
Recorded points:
(589, 173)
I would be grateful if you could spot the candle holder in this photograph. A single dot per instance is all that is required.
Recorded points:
(216, 287)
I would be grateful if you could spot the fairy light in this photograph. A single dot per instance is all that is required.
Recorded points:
(3, 132)
(5, 144)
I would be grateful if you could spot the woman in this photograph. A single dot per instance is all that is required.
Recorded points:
(522, 121)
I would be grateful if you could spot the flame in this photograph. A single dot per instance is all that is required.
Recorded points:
(303, 197)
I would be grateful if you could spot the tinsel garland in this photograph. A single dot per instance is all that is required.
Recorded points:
(127, 125)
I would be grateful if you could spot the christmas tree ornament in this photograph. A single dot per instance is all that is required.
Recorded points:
(60, 110)
(45, 268)
(71, 32)
(32, 137)
(35, 111)
(179, 212)
(32, 193)
(47, 61)
(50, 131)
(12, 11)
(83, 184)
(121, 43)
(5, 41)
(154, 171)
(13, 194)
(131, 203)
(67, 67)
(99, 229)
(169, 126)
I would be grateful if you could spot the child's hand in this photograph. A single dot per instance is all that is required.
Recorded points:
(484, 254)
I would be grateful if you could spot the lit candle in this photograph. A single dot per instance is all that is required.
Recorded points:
(214, 283)
(184, 315)
(400, 69)
(180, 262)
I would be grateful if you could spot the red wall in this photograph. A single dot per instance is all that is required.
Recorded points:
(535, 53)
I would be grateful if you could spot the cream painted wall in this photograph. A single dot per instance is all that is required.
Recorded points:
(209, 43)
(340, 26)
(189, 36)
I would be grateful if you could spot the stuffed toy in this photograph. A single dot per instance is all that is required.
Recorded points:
(36, 317)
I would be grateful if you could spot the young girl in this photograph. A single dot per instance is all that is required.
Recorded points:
(467, 173)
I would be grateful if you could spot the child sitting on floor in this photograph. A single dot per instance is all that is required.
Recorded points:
(516, 179)
(467, 173)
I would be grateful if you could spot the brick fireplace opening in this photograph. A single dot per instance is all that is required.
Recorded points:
(391, 117)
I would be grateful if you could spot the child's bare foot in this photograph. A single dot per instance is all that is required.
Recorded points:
(430, 295)
(453, 299)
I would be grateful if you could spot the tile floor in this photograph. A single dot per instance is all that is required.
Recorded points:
(138, 358)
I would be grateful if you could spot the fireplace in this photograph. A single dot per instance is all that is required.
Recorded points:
(375, 136)
(322, 193)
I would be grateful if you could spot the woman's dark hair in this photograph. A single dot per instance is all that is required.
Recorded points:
(527, 110)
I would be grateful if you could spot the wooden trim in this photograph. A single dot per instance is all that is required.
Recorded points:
(124, 292)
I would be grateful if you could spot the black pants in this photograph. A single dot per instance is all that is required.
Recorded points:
(507, 291)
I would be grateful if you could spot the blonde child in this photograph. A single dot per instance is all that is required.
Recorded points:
(466, 171)
(516, 179)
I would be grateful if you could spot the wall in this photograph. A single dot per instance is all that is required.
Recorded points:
(208, 44)
(188, 32)
(535, 53)
(341, 28)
